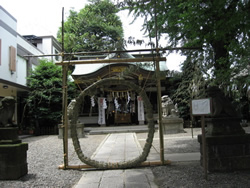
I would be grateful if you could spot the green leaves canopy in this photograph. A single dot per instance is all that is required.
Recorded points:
(45, 99)
(220, 28)
(95, 28)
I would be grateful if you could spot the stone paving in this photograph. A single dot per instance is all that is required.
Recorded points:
(136, 178)
(117, 148)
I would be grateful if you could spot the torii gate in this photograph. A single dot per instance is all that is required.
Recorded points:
(65, 65)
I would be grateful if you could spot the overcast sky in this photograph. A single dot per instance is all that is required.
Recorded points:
(43, 17)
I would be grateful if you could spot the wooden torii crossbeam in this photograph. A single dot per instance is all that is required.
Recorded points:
(118, 60)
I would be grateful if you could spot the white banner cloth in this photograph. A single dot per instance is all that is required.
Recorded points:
(140, 109)
(101, 116)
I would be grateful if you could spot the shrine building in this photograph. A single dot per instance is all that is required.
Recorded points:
(117, 104)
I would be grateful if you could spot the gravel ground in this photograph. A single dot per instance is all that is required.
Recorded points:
(45, 154)
(191, 174)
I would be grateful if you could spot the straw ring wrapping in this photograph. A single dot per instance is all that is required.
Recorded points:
(90, 91)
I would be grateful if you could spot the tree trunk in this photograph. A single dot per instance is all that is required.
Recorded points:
(222, 63)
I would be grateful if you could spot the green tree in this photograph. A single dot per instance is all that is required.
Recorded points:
(192, 86)
(220, 28)
(44, 101)
(95, 28)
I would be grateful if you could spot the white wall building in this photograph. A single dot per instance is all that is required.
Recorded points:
(14, 66)
(47, 44)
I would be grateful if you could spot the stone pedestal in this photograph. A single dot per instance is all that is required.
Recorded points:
(224, 126)
(227, 152)
(79, 129)
(172, 125)
(87, 120)
(141, 122)
(13, 155)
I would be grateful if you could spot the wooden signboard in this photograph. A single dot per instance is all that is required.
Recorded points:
(202, 107)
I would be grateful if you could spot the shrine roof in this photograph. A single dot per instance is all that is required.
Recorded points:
(82, 69)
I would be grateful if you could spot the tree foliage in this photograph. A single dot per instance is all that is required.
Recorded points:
(192, 85)
(44, 101)
(95, 28)
(220, 28)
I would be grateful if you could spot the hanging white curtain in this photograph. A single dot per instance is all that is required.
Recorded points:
(140, 109)
(101, 108)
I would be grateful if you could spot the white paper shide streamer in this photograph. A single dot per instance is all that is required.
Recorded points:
(116, 103)
(105, 106)
(128, 97)
(92, 101)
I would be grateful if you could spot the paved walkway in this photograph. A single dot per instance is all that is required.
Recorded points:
(119, 147)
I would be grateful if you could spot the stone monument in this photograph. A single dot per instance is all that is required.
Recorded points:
(170, 117)
(13, 153)
(79, 126)
(228, 146)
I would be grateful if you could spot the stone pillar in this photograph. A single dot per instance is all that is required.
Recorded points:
(227, 152)
(224, 126)
(227, 144)
(13, 155)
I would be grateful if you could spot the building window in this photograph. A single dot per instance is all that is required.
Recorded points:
(56, 57)
(12, 58)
